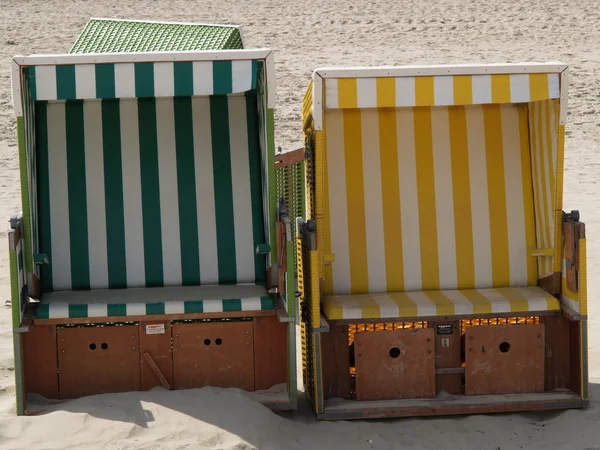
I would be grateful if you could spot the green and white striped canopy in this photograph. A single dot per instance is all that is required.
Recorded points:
(141, 80)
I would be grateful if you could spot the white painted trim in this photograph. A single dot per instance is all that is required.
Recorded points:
(564, 95)
(271, 80)
(94, 58)
(317, 106)
(459, 69)
(15, 84)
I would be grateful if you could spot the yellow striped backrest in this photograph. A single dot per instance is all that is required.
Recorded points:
(427, 198)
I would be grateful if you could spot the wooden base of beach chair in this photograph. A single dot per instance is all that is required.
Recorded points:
(450, 405)
(71, 360)
(457, 365)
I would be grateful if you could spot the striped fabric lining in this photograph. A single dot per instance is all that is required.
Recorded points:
(428, 199)
(444, 90)
(543, 126)
(149, 192)
(27, 157)
(58, 310)
(141, 80)
(439, 303)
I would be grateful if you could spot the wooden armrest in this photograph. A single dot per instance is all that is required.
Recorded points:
(572, 315)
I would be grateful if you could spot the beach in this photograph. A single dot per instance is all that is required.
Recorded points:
(306, 36)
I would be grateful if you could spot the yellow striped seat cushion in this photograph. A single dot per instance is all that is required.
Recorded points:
(439, 303)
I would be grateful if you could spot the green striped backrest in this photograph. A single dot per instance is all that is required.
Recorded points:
(149, 192)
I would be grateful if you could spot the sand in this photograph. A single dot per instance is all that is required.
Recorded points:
(305, 36)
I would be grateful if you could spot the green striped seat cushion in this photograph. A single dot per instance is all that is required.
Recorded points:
(149, 192)
(151, 301)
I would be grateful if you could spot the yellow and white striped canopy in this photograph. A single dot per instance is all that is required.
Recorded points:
(441, 90)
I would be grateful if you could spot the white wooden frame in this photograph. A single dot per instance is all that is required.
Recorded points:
(459, 69)
(19, 62)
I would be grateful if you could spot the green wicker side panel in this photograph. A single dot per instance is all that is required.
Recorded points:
(18, 299)
(290, 186)
(110, 36)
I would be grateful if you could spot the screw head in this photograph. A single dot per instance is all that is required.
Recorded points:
(470, 349)
(360, 355)
(177, 345)
(428, 351)
(63, 351)
(176, 335)
(63, 340)
(470, 338)
(428, 339)
(539, 346)
(359, 344)
(134, 348)
(248, 344)
(539, 335)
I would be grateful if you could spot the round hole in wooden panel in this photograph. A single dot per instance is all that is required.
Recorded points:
(206, 341)
(394, 352)
(104, 346)
(92, 346)
(218, 341)
(504, 347)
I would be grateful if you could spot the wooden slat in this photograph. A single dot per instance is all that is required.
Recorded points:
(457, 404)
(270, 352)
(39, 361)
(575, 356)
(156, 371)
(447, 358)
(450, 371)
(557, 370)
(216, 315)
(158, 346)
(289, 158)
(336, 363)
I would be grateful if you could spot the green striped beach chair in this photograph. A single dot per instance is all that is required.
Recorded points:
(151, 249)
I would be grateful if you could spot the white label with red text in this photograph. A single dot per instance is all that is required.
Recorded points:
(158, 328)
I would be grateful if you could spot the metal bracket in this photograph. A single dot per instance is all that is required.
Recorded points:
(14, 222)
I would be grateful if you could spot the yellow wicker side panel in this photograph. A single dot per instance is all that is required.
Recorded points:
(303, 337)
(308, 285)
(319, 196)
(307, 103)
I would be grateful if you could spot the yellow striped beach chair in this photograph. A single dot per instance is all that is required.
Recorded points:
(434, 206)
